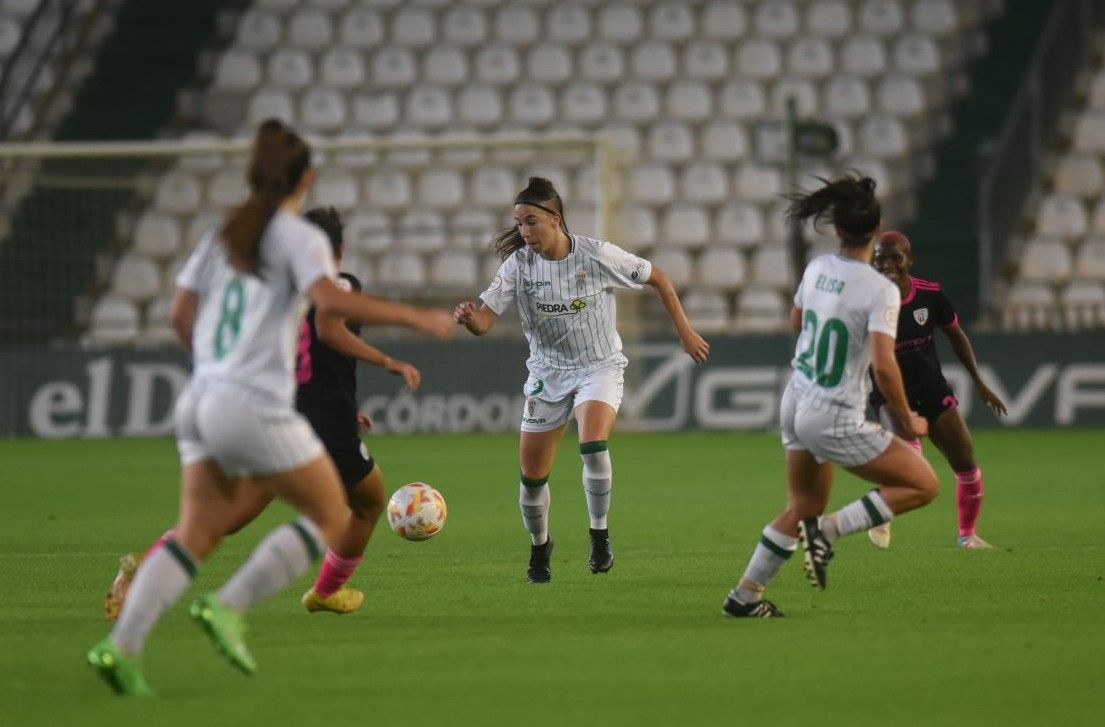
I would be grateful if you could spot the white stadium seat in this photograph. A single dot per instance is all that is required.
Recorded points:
(310, 30)
(676, 263)
(933, 17)
(883, 137)
(759, 58)
(1081, 175)
(113, 321)
(706, 60)
(689, 101)
(741, 224)
(389, 189)
(901, 96)
(742, 98)
(1089, 263)
(454, 269)
(517, 25)
(583, 103)
(601, 62)
(157, 236)
(636, 102)
(723, 20)
(829, 18)
(394, 67)
(724, 141)
(761, 310)
(237, 71)
(672, 21)
(376, 111)
(1045, 261)
(445, 66)
(498, 65)
(322, 110)
(532, 105)
(721, 268)
(685, 225)
(336, 189)
(493, 187)
(653, 61)
(568, 23)
(1029, 305)
(136, 278)
(290, 68)
(198, 226)
(670, 141)
(652, 183)
(402, 270)
(270, 104)
(368, 232)
(916, 55)
(1062, 216)
(441, 189)
(472, 228)
(707, 311)
(177, 192)
(620, 23)
(226, 188)
(259, 30)
(811, 57)
(157, 328)
(637, 226)
(1083, 304)
(480, 106)
(882, 17)
(771, 267)
(465, 26)
(777, 19)
(847, 97)
(863, 55)
(413, 27)
(549, 63)
(704, 182)
(361, 28)
(802, 90)
(428, 108)
(342, 68)
(421, 231)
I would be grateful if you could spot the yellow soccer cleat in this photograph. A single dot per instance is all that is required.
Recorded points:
(880, 536)
(117, 594)
(344, 600)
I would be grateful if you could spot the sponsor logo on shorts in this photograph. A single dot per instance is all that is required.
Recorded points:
(531, 420)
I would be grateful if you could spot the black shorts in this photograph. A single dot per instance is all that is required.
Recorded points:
(353, 460)
(929, 401)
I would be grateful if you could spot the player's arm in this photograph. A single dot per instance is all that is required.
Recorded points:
(329, 299)
(333, 332)
(694, 344)
(888, 377)
(795, 319)
(182, 314)
(477, 320)
(961, 345)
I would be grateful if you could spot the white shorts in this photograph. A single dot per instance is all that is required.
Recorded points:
(552, 397)
(245, 433)
(830, 431)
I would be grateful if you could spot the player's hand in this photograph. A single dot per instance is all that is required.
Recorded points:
(435, 322)
(412, 377)
(464, 311)
(991, 398)
(914, 426)
(364, 421)
(696, 346)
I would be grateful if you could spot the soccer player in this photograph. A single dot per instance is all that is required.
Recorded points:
(924, 307)
(564, 285)
(326, 374)
(847, 315)
(239, 304)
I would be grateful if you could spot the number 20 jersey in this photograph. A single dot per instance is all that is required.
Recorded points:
(842, 300)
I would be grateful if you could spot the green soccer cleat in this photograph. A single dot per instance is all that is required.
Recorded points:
(122, 673)
(226, 628)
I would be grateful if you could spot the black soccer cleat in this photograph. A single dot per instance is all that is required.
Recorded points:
(760, 609)
(817, 552)
(602, 555)
(540, 556)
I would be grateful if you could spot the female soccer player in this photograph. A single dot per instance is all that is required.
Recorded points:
(564, 287)
(925, 306)
(326, 374)
(848, 316)
(239, 303)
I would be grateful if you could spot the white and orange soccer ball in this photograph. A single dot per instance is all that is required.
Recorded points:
(417, 511)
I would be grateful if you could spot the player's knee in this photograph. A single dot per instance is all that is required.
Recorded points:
(928, 485)
(596, 460)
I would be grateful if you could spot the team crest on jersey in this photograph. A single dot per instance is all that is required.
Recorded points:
(581, 277)
(921, 315)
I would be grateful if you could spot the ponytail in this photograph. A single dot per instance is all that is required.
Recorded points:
(540, 193)
(276, 166)
(849, 203)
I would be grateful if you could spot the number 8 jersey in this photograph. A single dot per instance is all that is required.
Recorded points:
(842, 301)
(247, 326)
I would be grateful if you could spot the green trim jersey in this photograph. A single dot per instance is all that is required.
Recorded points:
(842, 300)
(247, 326)
(567, 306)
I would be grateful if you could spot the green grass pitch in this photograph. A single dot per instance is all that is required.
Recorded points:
(450, 634)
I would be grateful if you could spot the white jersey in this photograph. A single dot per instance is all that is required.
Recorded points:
(842, 300)
(567, 306)
(247, 326)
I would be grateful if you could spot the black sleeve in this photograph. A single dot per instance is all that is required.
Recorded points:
(353, 282)
(943, 311)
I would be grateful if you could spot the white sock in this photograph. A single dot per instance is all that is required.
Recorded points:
(598, 479)
(533, 499)
(284, 555)
(857, 516)
(769, 557)
(159, 583)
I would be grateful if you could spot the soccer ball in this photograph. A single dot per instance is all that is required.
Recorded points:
(417, 511)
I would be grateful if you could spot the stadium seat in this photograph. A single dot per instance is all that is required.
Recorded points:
(480, 106)
(1045, 261)
(704, 182)
(237, 71)
(601, 62)
(742, 98)
(368, 232)
(516, 25)
(933, 17)
(829, 18)
(549, 63)
(685, 225)
(389, 189)
(567, 23)
(445, 66)
(723, 141)
(331, 6)
(705, 60)
(637, 227)
(226, 188)
(401, 270)
(1063, 217)
(759, 58)
(498, 65)
(360, 267)
(882, 17)
(721, 268)
(310, 30)
(177, 192)
(1081, 175)
(771, 267)
(1083, 304)
(472, 228)
(689, 101)
(157, 236)
(707, 311)
(636, 102)
(136, 278)
(270, 104)
(421, 231)
(847, 97)
(802, 90)
(653, 61)
(676, 263)
(671, 21)
(1089, 132)
(778, 19)
(1089, 263)
(455, 270)
(198, 226)
(620, 23)
(394, 67)
(652, 183)
(758, 183)
(761, 310)
(916, 55)
(901, 96)
(290, 68)
(277, 6)
(361, 28)
(1029, 306)
(337, 189)
(428, 108)
(883, 137)
(811, 57)
(723, 20)
(259, 30)
(493, 187)
(156, 328)
(740, 224)
(342, 68)
(532, 105)
(413, 27)
(322, 110)
(113, 321)
(465, 26)
(583, 103)
(441, 189)
(377, 111)
(863, 55)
